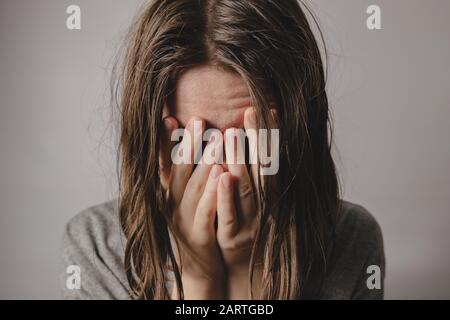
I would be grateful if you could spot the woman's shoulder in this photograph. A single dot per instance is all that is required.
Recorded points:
(357, 223)
(96, 228)
(358, 249)
(95, 221)
(93, 241)
(358, 230)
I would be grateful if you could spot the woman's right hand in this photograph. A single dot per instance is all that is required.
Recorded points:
(192, 197)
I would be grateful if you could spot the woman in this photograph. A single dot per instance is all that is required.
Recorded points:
(224, 231)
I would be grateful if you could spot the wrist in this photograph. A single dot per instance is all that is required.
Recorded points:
(201, 288)
(237, 285)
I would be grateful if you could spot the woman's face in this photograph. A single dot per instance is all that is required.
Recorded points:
(219, 97)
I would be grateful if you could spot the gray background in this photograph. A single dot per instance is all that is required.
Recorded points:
(389, 90)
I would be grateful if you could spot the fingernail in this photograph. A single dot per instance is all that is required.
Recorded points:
(229, 134)
(190, 124)
(215, 173)
(252, 115)
(195, 120)
(226, 181)
(168, 124)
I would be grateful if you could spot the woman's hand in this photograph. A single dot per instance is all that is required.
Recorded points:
(237, 211)
(192, 196)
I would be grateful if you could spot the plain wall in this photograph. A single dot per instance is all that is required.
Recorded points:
(389, 91)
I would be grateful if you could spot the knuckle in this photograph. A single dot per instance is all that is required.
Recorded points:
(227, 221)
(210, 189)
(204, 215)
(194, 187)
(226, 243)
(231, 245)
(202, 239)
(245, 190)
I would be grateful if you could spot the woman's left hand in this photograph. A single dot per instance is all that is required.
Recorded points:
(237, 211)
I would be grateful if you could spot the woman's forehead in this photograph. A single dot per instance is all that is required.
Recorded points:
(219, 97)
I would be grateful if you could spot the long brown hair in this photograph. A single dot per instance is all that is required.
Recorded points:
(272, 46)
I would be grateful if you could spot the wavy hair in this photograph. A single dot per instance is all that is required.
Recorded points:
(271, 45)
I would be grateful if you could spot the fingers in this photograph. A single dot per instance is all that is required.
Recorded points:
(166, 145)
(251, 129)
(235, 155)
(199, 177)
(203, 231)
(185, 154)
(226, 212)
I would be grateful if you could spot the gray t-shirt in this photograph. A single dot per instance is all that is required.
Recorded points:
(94, 243)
